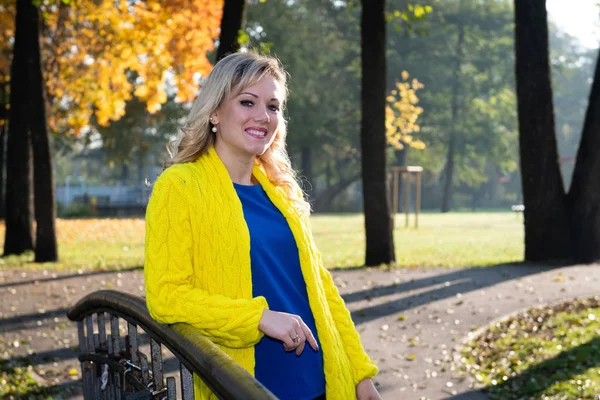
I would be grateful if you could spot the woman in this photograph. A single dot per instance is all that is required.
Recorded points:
(229, 248)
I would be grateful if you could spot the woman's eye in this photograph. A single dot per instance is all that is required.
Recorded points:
(246, 103)
(274, 108)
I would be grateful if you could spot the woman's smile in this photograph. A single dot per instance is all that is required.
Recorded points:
(257, 133)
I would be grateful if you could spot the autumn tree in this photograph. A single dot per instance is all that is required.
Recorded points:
(98, 55)
(469, 99)
(402, 113)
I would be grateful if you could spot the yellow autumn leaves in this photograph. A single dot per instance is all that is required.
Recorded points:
(97, 54)
(402, 112)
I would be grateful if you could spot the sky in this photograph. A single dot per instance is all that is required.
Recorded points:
(579, 18)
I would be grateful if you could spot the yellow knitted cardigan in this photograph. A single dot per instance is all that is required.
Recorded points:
(197, 271)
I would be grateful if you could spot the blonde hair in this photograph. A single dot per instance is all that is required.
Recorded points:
(231, 75)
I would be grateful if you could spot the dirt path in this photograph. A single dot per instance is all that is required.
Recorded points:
(411, 321)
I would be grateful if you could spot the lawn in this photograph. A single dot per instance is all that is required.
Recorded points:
(448, 240)
(551, 352)
(442, 240)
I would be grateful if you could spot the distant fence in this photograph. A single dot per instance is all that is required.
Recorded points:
(117, 201)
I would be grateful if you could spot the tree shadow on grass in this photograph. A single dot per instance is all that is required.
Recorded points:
(533, 382)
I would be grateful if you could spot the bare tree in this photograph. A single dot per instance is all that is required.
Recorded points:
(557, 226)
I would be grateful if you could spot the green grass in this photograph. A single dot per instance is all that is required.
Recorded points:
(441, 240)
(546, 353)
(17, 382)
(446, 240)
(90, 244)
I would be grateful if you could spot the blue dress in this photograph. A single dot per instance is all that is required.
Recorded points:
(277, 276)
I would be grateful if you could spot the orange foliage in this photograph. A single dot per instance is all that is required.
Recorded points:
(100, 230)
(97, 53)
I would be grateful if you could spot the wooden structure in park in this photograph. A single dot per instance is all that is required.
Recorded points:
(407, 173)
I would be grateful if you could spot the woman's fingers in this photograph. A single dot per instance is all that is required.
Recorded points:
(288, 341)
(300, 348)
(309, 337)
(288, 328)
(300, 339)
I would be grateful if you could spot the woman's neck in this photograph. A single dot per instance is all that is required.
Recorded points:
(239, 167)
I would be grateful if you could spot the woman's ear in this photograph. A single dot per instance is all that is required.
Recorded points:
(214, 119)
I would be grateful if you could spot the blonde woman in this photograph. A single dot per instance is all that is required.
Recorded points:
(229, 248)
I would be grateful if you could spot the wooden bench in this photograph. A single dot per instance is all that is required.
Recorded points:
(121, 353)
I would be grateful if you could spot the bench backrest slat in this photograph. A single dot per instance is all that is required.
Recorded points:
(157, 365)
(187, 383)
(171, 389)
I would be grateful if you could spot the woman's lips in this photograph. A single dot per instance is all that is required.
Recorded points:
(257, 133)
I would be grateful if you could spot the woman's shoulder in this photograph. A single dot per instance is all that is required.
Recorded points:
(176, 174)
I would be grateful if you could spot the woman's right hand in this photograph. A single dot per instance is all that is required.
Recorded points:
(289, 329)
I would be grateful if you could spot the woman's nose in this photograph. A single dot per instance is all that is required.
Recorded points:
(263, 116)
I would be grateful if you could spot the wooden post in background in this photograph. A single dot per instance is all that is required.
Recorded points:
(395, 194)
(405, 173)
(417, 198)
(406, 198)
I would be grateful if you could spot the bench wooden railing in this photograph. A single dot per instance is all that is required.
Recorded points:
(123, 363)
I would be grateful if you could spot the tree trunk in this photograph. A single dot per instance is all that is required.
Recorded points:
(45, 204)
(378, 221)
(449, 170)
(2, 159)
(141, 154)
(124, 174)
(19, 213)
(231, 25)
(584, 194)
(4, 101)
(323, 202)
(546, 227)
(140, 167)
(328, 173)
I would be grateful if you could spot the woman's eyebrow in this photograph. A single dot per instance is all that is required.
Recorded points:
(251, 94)
(255, 96)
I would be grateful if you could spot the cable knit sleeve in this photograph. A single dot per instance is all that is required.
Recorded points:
(168, 274)
(362, 366)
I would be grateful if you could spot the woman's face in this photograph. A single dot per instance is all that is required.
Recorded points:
(247, 121)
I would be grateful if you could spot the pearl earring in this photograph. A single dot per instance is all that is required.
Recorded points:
(214, 129)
